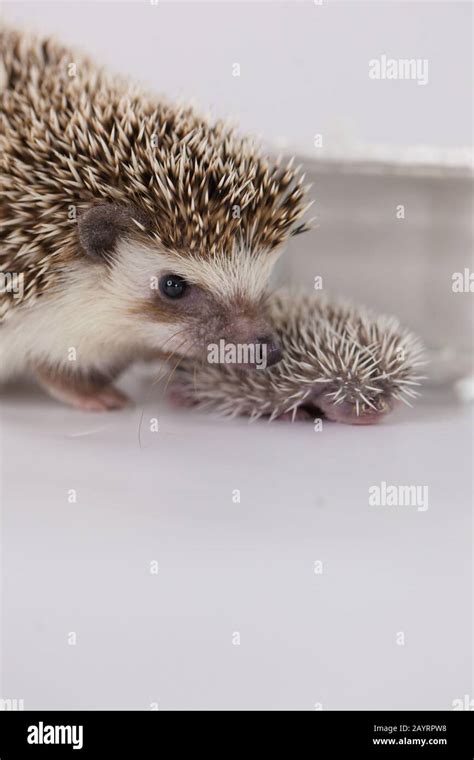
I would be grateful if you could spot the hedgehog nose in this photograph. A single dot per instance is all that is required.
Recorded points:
(273, 350)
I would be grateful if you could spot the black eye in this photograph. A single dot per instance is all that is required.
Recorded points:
(173, 286)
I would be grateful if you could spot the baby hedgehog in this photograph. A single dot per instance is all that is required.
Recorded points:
(129, 227)
(339, 361)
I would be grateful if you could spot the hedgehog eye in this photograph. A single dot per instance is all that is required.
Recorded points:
(173, 286)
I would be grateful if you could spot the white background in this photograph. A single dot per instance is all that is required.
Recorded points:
(304, 67)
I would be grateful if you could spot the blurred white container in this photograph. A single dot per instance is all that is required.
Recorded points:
(393, 228)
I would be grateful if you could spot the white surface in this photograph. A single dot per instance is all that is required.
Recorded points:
(226, 567)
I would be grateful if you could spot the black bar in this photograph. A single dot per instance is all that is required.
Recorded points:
(166, 733)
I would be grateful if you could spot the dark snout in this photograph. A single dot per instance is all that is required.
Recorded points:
(256, 345)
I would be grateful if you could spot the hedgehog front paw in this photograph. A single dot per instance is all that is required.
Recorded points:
(91, 393)
(104, 400)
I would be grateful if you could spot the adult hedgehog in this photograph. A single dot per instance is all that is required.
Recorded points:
(128, 226)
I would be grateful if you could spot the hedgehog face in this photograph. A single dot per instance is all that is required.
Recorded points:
(178, 302)
(202, 318)
(201, 304)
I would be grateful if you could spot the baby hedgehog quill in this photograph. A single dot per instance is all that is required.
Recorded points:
(129, 227)
(339, 361)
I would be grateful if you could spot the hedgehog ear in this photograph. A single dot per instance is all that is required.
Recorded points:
(101, 227)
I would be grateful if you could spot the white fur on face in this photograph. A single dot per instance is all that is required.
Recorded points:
(92, 312)
(242, 275)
